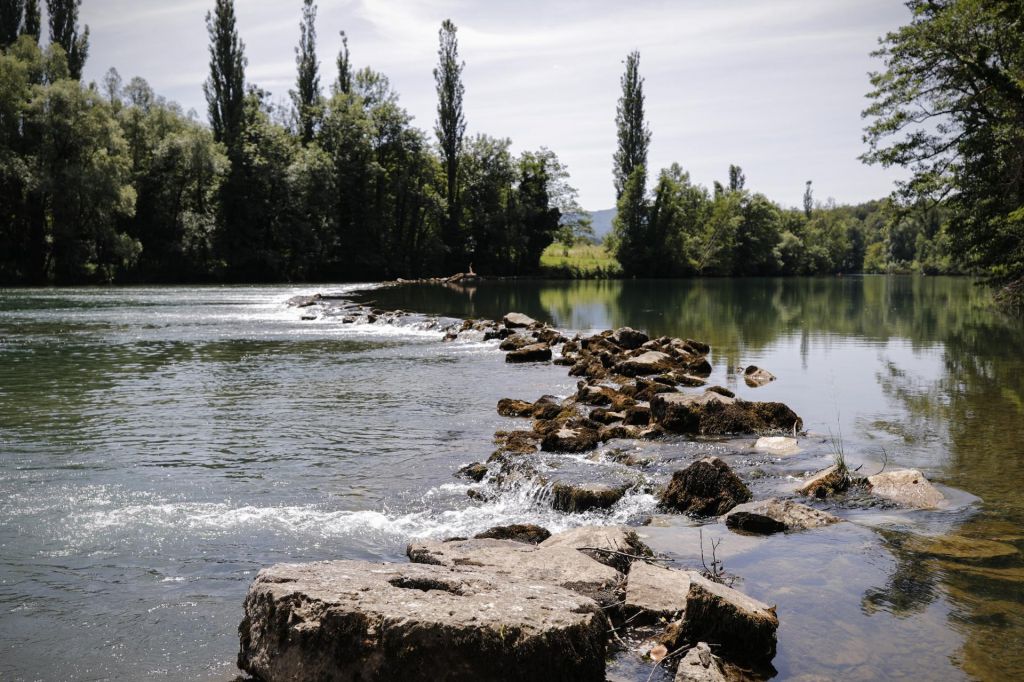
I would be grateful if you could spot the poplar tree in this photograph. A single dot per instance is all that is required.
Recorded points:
(31, 25)
(306, 96)
(225, 88)
(344, 67)
(10, 20)
(64, 32)
(450, 129)
(634, 135)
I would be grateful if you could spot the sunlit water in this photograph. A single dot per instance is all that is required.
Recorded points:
(158, 446)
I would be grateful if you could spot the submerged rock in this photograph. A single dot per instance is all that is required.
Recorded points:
(355, 620)
(711, 413)
(535, 352)
(908, 487)
(774, 515)
(755, 376)
(777, 445)
(519, 320)
(555, 565)
(528, 533)
(705, 488)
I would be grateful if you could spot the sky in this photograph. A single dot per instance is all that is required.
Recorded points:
(775, 86)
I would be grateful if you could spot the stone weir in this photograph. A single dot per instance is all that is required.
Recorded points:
(517, 603)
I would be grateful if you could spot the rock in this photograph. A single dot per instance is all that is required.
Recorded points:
(517, 442)
(824, 483)
(581, 497)
(650, 362)
(741, 626)
(568, 439)
(603, 416)
(549, 336)
(656, 591)
(754, 376)
(515, 342)
(474, 472)
(705, 488)
(777, 445)
(528, 533)
(546, 408)
(595, 395)
(700, 665)
(355, 620)
(304, 301)
(721, 390)
(711, 413)
(518, 321)
(697, 347)
(959, 547)
(558, 565)
(908, 487)
(614, 546)
(535, 352)
(629, 338)
(509, 407)
(638, 415)
(774, 515)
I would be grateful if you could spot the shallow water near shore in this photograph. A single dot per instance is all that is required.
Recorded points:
(158, 446)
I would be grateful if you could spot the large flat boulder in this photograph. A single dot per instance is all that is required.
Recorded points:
(656, 591)
(774, 515)
(707, 487)
(614, 546)
(562, 566)
(353, 620)
(908, 487)
(712, 414)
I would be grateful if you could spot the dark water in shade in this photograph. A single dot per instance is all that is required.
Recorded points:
(159, 445)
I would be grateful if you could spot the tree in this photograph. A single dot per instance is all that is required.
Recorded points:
(737, 180)
(450, 130)
(633, 133)
(949, 106)
(306, 96)
(225, 88)
(31, 25)
(11, 12)
(629, 227)
(344, 84)
(64, 32)
(808, 200)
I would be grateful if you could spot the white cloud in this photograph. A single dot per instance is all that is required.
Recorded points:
(776, 87)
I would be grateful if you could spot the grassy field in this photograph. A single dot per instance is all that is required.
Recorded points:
(579, 261)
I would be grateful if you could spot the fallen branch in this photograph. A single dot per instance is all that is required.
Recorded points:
(623, 554)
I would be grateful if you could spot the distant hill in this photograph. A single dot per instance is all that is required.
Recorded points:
(602, 221)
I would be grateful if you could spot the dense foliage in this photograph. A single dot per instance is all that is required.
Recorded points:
(949, 106)
(681, 229)
(117, 184)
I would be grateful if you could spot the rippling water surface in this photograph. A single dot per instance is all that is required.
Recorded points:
(159, 445)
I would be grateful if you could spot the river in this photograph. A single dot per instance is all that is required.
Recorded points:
(158, 446)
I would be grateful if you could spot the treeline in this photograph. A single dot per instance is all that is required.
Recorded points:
(110, 182)
(680, 229)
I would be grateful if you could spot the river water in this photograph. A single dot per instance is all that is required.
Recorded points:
(158, 446)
